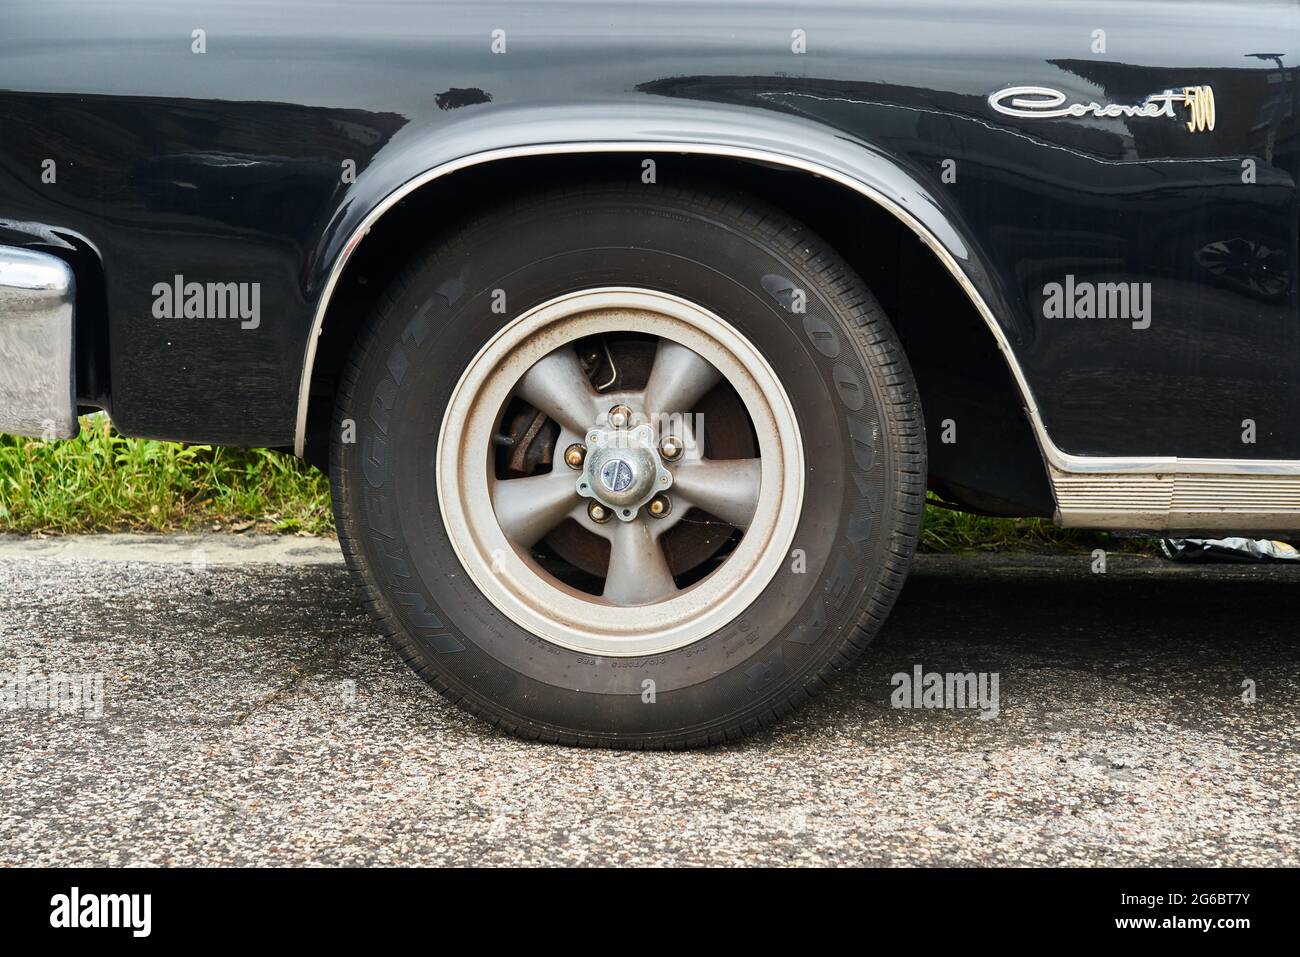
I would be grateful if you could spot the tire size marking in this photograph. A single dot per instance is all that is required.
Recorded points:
(375, 468)
(863, 440)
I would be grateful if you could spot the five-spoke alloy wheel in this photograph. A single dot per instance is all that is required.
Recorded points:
(495, 522)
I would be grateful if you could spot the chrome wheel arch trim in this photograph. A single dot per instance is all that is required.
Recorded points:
(1060, 465)
(728, 151)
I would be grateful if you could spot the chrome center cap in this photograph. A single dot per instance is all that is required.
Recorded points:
(623, 470)
(617, 476)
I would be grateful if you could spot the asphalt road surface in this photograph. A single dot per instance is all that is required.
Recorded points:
(248, 713)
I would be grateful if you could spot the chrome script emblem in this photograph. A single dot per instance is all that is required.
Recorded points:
(616, 475)
(1044, 103)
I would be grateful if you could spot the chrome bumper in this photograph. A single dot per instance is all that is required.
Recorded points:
(37, 394)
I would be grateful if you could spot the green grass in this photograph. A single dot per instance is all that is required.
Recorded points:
(101, 481)
(950, 531)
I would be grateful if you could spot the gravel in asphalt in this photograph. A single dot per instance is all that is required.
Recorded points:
(248, 713)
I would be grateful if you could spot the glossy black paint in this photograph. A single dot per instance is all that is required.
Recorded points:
(225, 167)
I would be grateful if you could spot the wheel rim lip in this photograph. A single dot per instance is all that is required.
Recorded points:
(558, 613)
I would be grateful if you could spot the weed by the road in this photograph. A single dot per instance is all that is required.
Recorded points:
(947, 530)
(101, 481)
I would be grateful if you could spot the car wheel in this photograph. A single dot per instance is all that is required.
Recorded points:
(629, 466)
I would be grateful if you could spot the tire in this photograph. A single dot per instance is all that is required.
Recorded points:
(848, 489)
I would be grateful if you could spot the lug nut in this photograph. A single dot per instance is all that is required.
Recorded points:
(620, 417)
(671, 448)
(574, 455)
(598, 513)
(660, 506)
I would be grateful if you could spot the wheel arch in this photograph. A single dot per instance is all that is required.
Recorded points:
(777, 143)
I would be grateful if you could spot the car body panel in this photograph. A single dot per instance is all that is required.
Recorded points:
(225, 166)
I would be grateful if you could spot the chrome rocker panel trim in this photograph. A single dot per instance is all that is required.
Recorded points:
(1185, 495)
(37, 373)
(1159, 493)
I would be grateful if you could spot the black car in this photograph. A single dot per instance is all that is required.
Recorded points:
(633, 335)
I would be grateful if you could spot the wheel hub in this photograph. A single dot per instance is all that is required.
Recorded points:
(623, 470)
